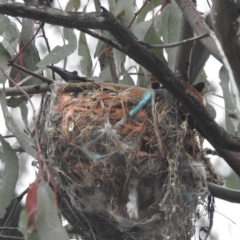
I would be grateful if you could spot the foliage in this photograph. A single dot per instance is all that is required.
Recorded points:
(24, 50)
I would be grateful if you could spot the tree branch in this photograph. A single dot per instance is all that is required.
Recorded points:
(223, 193)
(170, 45)
(216, 135)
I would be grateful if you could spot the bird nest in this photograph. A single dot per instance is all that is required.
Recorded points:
(125, 163)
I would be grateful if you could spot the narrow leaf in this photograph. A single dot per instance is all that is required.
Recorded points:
(148, 7)
(29, 57)
(10, 34)
(73, 5)
(4, 58)
(142, 79)
(121, 6)
(48, 225)
(32, 206)
(83, 51)
(23, 226)
(229, 105)
(25, 142)
(10, 176)
(61, 52)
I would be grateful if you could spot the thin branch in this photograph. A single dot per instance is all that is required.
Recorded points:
(11, 237)
(12, 229)
(223, 193)
(102, 38)
(66, 87)
(149, 45)
(136, 13)
(27, 43)
(21, 195)
(46, 80)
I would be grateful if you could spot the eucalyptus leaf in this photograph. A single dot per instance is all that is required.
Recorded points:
(24, 114)
(9, 177)
(105, 75)
(61, 52)
(142, 79)
(23, 226)
(127, 79)
(10, 34)
(172, 27)
(121, 7)
(229, 105)
(141, 29)
(25, 142)
(148, 7)
(29, 57)
(14, 102)
(4, 57)
(48, 223)
(211, 110)
(83, 51)
(152, 37)
(73, 5)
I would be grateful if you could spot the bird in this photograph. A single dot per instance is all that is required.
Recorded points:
(69, 76)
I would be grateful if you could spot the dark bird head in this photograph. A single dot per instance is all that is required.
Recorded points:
(68, 76)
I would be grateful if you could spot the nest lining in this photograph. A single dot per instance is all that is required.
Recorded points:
(125, 159)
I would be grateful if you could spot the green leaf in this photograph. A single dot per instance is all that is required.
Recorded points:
(141, 29)
(127, 79)
(24, 141)
(24, 114)
(148, 7)
(121, 7)
(83, 51)
(211, 110)
(61, 52)
(171, 20)
(23, 226)
(229, 105)
(29, 57)
(152, 37)
(9, 177)
(10, 34)
(106, 75)
(73, 5)
(48, 223)
(4, 58)
(101, 54)
(119, 58)
(142, 78)
(14, 102)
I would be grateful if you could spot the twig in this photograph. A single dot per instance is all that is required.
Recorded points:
(136, 14)
(104, 39)
(46, 80)
(13, 229)
(27, 43)
(21, 195)
(11, 237)
(224, 193)
(149, 45)
(8, 136)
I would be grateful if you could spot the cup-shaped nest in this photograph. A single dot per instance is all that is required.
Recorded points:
(125, 163)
